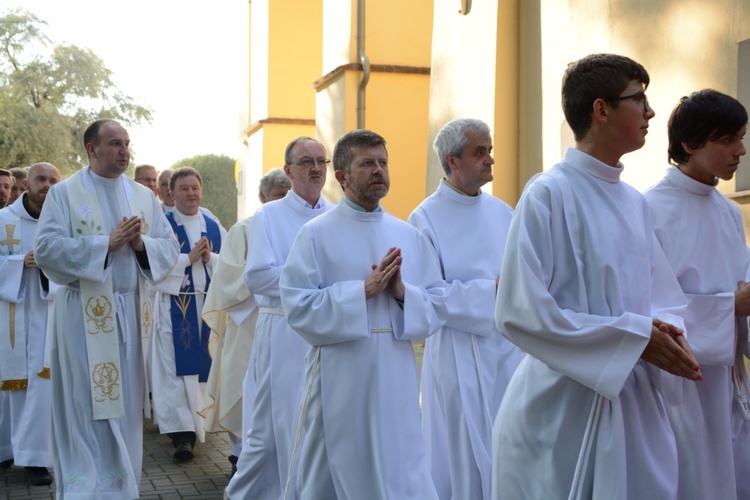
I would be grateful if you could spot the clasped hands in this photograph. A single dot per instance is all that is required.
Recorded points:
(668, 349)
(127, 231)
(201, 250)
(387, 274)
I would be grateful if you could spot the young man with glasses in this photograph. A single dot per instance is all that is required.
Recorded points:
(586, 292)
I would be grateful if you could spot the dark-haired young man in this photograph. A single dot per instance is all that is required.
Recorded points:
(6, 182)
(587, 293)
(702, 235)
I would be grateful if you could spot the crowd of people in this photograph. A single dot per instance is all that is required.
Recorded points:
(590, 343)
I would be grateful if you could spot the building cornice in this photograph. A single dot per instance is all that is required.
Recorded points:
(325, 80)
(254, 127)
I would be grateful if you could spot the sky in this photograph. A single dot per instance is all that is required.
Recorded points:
(183, 59)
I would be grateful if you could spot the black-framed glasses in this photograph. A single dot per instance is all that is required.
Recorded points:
(310, 162)
(638, 96)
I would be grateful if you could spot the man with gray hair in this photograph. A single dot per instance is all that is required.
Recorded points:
(468, 364)
(231, 312)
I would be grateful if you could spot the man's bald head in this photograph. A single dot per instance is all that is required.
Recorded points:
(42, 176)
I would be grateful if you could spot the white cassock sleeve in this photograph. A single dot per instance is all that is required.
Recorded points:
(708, 317)
(63, 257)
(262, 270)
(322, 314)
(470, 303)
(327, 313)
(161, 247)
(596, 351)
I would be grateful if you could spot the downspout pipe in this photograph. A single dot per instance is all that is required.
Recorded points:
(364, 61)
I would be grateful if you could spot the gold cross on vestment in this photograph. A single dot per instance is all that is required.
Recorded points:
(9, 241)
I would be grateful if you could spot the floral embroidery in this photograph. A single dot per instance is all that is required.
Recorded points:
(75, 265)
(117, 480)
(89, 226)
(72, 482)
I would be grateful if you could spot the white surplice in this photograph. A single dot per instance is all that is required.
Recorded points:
(360, 397)
(177, 399)
(703, 238)
(277, 353)
(468, 363)
(96, 459)
(21, 291)
(231, 312)
(583, 275)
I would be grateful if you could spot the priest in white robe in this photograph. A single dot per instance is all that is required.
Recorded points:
(180, 360)
(359, 285)
(703, 238)
(99, 234)
(469, 363)
(25, 297)
(230, 311)
(278, 353)
(582, 285)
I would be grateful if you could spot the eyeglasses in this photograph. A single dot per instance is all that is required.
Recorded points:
(638, 96)
(310, 162)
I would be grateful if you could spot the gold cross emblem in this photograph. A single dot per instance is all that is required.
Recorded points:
(9, 241)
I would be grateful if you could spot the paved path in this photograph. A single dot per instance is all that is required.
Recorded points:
(204, 477)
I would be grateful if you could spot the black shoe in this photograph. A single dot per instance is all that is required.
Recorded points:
(183, 451)
(233, 460)
(5, 464)
(38, 476)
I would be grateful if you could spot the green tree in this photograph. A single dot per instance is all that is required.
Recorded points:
(219, 188)
(50, 93)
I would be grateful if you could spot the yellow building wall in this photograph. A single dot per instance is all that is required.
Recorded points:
(396, 34)
(475, 67)
(685, 45)
(285, 56)
(398, 111)
(294, 57)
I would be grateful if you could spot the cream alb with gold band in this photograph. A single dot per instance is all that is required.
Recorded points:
(12, 346)
(98, 302)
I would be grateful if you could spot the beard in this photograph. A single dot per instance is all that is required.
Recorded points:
(36, 199)
(368, 193)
